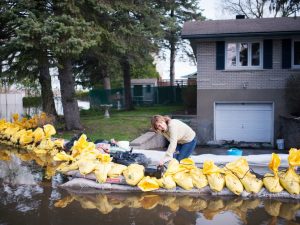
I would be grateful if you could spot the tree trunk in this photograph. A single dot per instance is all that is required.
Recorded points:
(172, 63)
(172, 53)
(127, 84)
(106, 85)
(106, 79)
(48, 104)
(67, 89)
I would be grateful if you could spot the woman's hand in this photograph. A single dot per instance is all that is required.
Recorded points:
(161, 162)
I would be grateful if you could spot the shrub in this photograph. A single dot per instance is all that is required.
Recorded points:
(82, 95)
(32, 101)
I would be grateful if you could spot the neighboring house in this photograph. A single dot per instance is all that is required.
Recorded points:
(242, 68)
(191, 78)
(143, 90)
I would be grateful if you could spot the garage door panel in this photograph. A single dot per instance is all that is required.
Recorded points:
(244, 122)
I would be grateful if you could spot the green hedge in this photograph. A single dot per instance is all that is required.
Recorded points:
(32, 102)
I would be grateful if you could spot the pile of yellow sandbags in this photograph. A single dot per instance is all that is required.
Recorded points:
(38, 142)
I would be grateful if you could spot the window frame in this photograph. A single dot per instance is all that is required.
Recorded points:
(238, 44)
(293, 52)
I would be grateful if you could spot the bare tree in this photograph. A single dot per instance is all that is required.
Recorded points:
(262, 8)
(285, 8)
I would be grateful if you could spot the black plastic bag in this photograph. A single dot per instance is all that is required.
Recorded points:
(127, 158)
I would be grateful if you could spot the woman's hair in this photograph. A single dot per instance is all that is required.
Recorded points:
(158, 118)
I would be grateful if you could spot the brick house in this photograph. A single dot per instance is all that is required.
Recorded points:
(242, 67)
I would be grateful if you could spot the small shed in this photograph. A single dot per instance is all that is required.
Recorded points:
(143, 90)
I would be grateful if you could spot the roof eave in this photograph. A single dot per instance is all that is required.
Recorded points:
(248, 34)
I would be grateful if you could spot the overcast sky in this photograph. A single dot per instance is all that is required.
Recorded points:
(212, 10)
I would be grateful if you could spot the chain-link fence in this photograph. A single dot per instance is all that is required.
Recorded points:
(142, 95)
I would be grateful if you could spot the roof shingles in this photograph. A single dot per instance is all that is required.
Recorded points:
(213, 28)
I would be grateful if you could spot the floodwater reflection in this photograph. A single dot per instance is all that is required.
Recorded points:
(168, 206)
(28, 197)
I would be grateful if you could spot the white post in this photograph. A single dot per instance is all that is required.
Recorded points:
(106, 114)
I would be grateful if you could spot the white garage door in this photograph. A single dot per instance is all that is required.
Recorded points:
(244, 122)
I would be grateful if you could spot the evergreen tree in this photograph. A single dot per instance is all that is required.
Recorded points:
(67, 35)
(23, 51)
(176, 13)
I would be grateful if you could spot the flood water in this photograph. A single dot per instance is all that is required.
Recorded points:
(26, 197)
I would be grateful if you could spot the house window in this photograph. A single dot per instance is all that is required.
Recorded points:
(249, 55)
(296, 54)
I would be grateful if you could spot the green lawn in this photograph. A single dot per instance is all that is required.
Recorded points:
(122, 125)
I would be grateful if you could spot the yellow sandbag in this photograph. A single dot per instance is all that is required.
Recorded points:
(49, 130)
(46, 144)
(63, 156)
(10, 131)
(290, 181)
(294, 157)
(209, 168)
(15, 117)
(271, 182)
(274, 163)
(233, 183)
(101, 171)
(134, 174)
(87, 166)
(183, 180)
(65, 167)
(80, 145)
(173, 168)
(199, 179)
(148, 184)
(167, 182)
(215, 179)
(116, 170)
(38, 134)
(26, 138)
(239, 167)
(187, 164)
(105, 158)
(59, 143)
(16, 136)
(251, 183)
